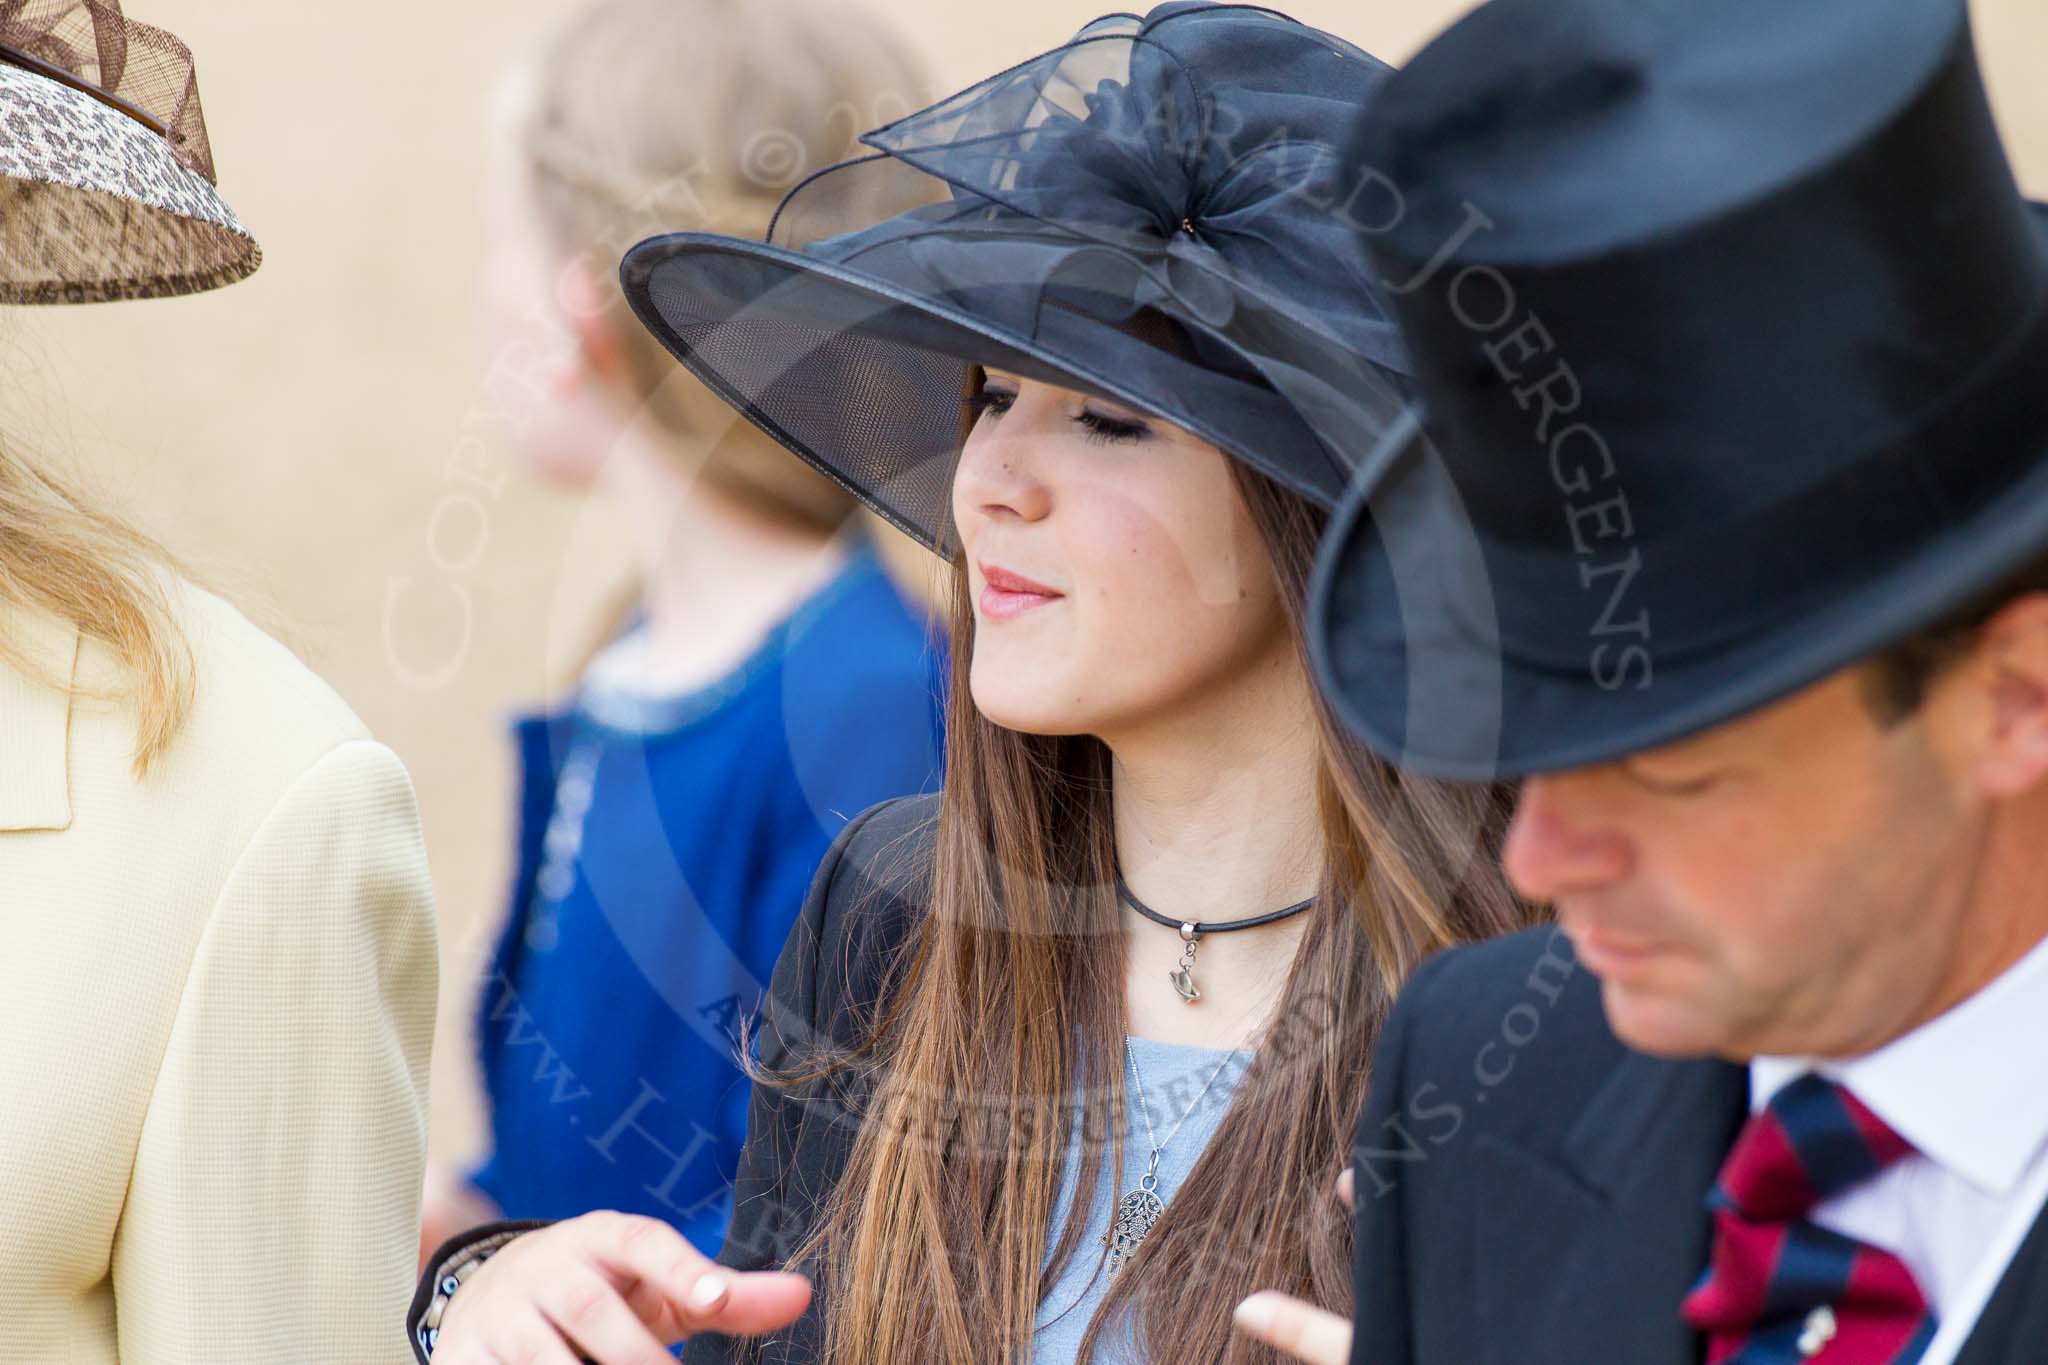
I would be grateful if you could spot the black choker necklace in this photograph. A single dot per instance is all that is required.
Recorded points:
(1191, 933)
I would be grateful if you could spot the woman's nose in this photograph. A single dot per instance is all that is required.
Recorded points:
(997, 478)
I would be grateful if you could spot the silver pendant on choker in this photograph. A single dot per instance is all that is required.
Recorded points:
(1183, 976)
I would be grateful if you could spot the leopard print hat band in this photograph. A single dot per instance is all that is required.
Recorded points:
(100, 118)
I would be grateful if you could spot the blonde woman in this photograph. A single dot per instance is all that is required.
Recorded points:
(769, 681)
(1062, 1063)
(215, 921)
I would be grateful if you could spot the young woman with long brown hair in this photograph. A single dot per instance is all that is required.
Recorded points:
(1062, 1063)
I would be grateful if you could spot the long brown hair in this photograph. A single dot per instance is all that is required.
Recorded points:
(1011, 1006)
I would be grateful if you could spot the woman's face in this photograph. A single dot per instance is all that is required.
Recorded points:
(1115, 572)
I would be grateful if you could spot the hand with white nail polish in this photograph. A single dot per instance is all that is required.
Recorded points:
(612, 1288)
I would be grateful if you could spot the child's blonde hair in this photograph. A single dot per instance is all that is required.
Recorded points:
(649, 116)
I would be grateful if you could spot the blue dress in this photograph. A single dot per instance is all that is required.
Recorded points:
(665, 847)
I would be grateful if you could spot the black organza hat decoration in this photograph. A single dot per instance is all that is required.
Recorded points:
(1157, 213)
(1730, 330)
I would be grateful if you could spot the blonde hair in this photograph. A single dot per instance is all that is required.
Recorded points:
(60, 553)
(648, 116)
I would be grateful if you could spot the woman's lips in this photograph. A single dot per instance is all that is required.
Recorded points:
(1006, 596)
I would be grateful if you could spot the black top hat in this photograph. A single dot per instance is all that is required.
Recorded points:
(1154, 213)
(1729, 330)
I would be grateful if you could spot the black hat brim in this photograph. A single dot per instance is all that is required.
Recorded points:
(1405, 640)
(861, 374)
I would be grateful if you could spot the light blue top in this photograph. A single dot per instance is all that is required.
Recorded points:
(1172, 1074)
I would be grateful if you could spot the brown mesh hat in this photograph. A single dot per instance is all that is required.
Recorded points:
(106, 179)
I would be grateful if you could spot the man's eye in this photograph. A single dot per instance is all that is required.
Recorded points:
(1111, 429)
(1671, 784)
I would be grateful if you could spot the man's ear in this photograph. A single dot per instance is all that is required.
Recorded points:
(2014, 655)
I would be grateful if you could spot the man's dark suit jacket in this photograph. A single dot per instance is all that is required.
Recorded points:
(1531, 1192)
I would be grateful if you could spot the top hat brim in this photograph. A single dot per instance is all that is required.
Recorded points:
(130, 222)
(1406, 640)
(860, 373)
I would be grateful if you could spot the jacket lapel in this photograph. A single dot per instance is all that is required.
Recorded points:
(2014, 1323)
(35, 720)
(1598, 1244)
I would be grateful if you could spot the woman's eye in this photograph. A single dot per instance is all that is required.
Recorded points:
(989, 399)
(1108, 429)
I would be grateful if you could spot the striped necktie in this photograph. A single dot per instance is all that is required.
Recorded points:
(1781, 1289)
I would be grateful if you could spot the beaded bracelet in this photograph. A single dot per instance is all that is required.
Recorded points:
(448, 1280)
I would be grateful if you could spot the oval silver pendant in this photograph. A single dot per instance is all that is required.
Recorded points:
(1185, 984)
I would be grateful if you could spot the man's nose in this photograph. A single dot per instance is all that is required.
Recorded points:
(1553, 849)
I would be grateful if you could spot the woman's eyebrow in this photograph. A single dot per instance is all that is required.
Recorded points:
(1117, 408)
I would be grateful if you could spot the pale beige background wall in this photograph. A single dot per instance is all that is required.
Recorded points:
(314, 439)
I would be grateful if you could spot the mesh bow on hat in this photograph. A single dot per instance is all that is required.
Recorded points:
(1158, 213)
(106, 177)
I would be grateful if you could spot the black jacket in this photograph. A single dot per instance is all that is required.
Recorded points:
(1531, 1192)
(865, 898)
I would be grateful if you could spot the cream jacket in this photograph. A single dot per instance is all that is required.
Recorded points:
(216, 1002)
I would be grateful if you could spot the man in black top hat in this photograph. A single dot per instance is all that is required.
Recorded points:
(1727, 527)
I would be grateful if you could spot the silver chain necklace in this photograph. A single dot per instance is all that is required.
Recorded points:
(1137, 1211)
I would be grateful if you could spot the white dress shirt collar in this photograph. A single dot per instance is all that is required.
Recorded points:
(1969, 1089)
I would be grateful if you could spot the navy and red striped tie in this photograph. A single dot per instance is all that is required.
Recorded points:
(1781, 1289)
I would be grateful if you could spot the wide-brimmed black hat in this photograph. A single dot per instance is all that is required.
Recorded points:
(1157, 213)
(1729, 329)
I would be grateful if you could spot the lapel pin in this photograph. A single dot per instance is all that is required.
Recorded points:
(1819, 1329)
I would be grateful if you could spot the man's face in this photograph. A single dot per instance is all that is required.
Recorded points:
(1793, 882)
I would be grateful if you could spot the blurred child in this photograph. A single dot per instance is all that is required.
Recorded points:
(769, 681)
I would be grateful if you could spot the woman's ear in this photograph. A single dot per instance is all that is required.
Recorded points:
(2014, 651)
